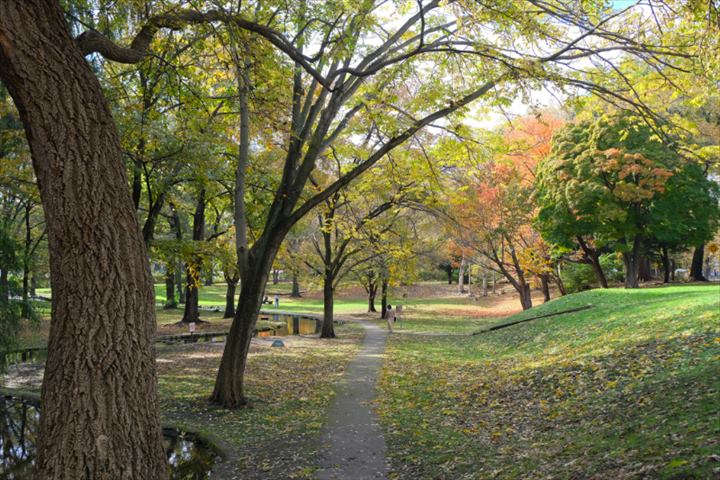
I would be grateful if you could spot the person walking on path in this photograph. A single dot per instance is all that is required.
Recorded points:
(390, 316)
(277, 301)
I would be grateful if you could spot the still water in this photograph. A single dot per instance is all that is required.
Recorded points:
(189, 457)
(289, 325)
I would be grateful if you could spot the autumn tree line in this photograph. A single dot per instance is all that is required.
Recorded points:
(227, 139)
(603, 192)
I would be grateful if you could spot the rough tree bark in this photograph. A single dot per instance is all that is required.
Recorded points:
(99, 402)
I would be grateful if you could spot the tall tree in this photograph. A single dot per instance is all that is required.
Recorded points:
(99, 402)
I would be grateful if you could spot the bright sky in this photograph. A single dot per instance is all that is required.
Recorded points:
(546, 98)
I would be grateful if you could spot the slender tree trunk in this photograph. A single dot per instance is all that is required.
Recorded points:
(672, 270)
(192, 276)
(383, 297)
(665, 257)
(448, 271)
(99, 403)
(494, 283)
(148, 229)
(545, 285)
(632, 264)
(644, 270)
(696, 267)
(191, 312)
(170, 301)
(33, 285)
(372, 292)
(180, 284)
(295, 286)
(461, 276)
(209, 277)
(328, 330)
(593, 258)
(230, 298)
(275, 276)
(484, 284)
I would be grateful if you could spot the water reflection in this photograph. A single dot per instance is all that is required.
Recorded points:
(189, 457)
(290, 325)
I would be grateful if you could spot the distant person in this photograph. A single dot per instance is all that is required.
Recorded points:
(390, 317)
(277, 301)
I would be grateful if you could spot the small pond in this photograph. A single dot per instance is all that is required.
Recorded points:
(288, 324)
(189, 456)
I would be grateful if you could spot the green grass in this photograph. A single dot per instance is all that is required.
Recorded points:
(627, 389)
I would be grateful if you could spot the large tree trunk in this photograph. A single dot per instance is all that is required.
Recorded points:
(230, 297)
(99, 402)
(229, 391)
(632, 264)
(696, 267)
(328, 330)
(295, 293)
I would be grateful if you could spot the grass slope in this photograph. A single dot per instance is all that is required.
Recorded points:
(627, 389)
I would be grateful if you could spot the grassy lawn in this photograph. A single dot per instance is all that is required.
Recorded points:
(627, 389)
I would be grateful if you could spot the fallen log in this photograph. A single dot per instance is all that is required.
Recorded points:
(510, 324)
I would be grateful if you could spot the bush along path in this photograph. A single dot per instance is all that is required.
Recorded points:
(352, 440)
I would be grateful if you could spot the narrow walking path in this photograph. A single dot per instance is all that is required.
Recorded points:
(353, 446)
